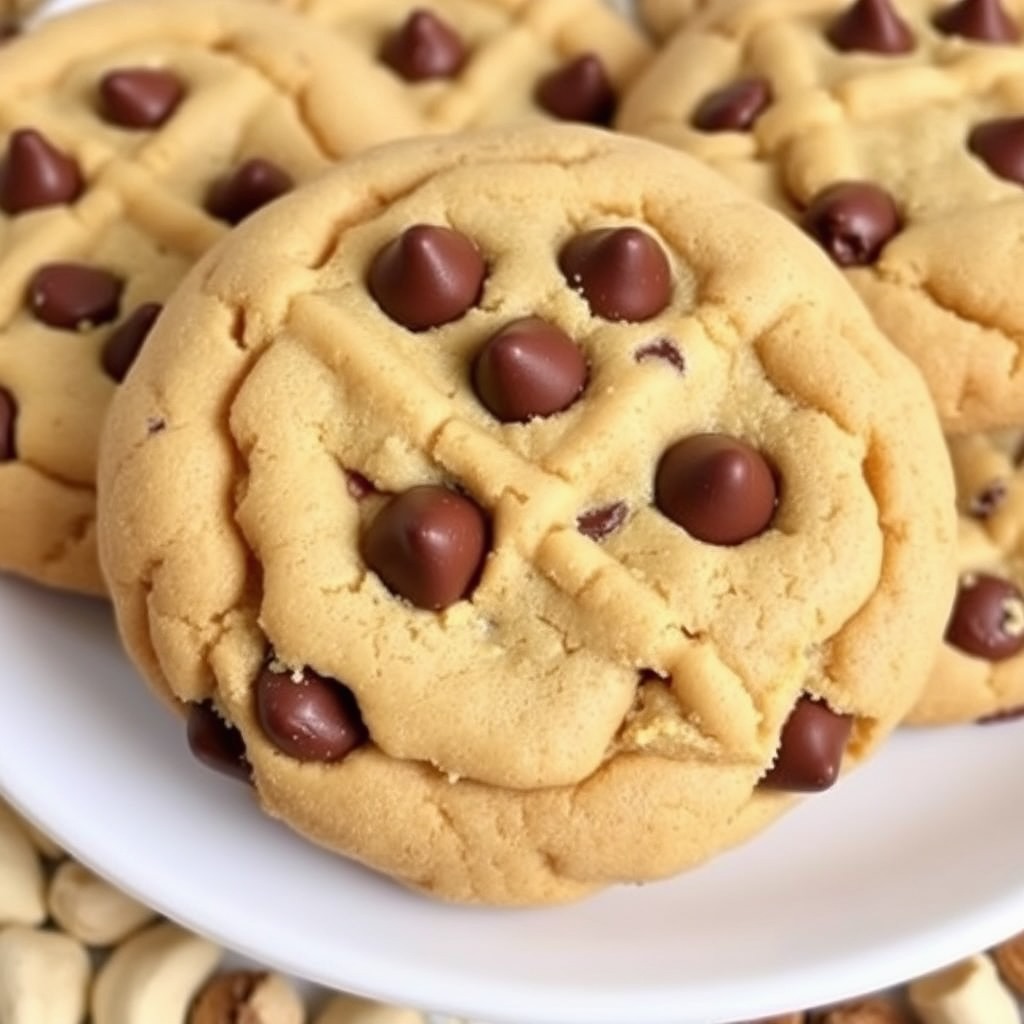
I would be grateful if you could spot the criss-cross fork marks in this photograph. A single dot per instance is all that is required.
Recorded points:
(622, 615)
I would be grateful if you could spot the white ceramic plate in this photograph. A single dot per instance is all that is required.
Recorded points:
(914, 860)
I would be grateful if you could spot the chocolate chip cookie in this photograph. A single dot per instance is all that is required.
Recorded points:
(980, 672)
(526, 511)
(465, 63)
(132, 136)
(890, 131)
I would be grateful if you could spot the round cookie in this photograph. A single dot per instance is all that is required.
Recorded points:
(980, 671)
(132, 135)
(552, 495)
(472, 63)
(892, 135)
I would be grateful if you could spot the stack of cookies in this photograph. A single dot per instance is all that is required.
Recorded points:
(516, 505)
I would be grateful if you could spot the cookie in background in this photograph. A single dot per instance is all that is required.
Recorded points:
(472, 63)
(891, 132)
(133, 135)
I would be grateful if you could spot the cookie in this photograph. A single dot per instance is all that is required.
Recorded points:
(890, 134)
(540, 487)
(472, 63)
(980, 672)
(132, 136)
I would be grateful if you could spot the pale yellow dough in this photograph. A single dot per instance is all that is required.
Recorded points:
(945, 288)
(663, 17)
(261, 82)
(519, 753)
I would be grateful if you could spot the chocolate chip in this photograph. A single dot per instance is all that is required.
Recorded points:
(529, 368)
(307, 716)
(663, 349)
(873, 26)
(8, 416)
(358, 485)
(735, 107)
(623, 273)
(35, 174)
(73, 296)
(8, 30)
(852, 221)
(988, 618)
(599, 523)
(248, 187)
(811, 748)
(579, 90)
(427, 545)
(125, 342)
(1009, 715)
(718, 488)
(986, 502)
(424, 47)
(427, 277)
(216, 743)
(982, 20)
(1000, 143)
(140, 97)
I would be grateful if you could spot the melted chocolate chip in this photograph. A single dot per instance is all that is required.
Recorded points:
(1000, 144)
(988, 618)
(358, 486)
(125, 343)
(529, 368)
(811, 748)
(427, 277)
(873, 26)
(578, 91)
(73, 296)
(663, 349)
(986, 502)
(983, 20)
(735, 107)
(717, 488)
(140, 97)
(35, 174)
(424, 47)
(599, 523)
(427, 545)
(215, 743)
(251, 185)
(8, 416)
(307, 716)
(1009, 715)
(852, 221)
(623, 273)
